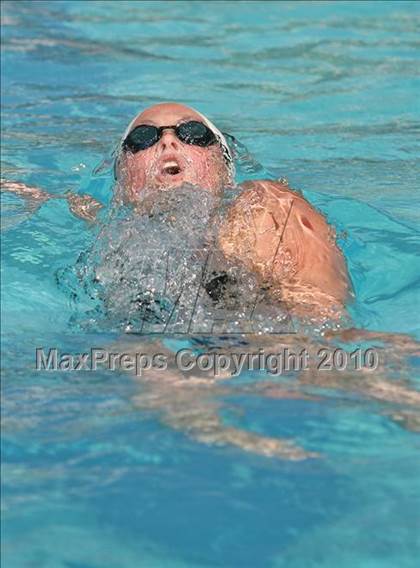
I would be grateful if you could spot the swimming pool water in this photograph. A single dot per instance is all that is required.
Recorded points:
(325, 94)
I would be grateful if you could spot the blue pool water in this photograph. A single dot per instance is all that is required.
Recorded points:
(324, 94)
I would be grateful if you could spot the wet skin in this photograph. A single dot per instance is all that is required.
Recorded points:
(270, 229)
(201, 166)
(274, 232)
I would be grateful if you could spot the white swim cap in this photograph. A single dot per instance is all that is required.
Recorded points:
(227, 154)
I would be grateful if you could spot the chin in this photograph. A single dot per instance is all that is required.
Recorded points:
(168, 182)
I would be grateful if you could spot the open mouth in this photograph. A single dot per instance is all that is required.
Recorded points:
(171, 168)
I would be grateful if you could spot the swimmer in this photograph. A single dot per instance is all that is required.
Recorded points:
(269, 229)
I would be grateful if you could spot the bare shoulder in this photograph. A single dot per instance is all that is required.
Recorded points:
(277, 233)
(270, 203)
(261, 191)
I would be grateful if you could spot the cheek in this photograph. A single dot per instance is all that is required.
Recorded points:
(206, 167)
(133, 172)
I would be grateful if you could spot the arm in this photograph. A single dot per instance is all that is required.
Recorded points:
(189, 403)
(82, 206)
(278, 234)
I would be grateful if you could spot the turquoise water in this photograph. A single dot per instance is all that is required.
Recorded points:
(324, 94)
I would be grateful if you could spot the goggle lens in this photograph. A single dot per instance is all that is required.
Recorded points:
(145, 136)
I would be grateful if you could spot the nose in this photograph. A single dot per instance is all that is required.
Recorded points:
(169, 141)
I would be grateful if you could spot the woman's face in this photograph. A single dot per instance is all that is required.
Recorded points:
(170, 162)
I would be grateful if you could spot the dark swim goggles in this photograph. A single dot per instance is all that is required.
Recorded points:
(145, 136)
